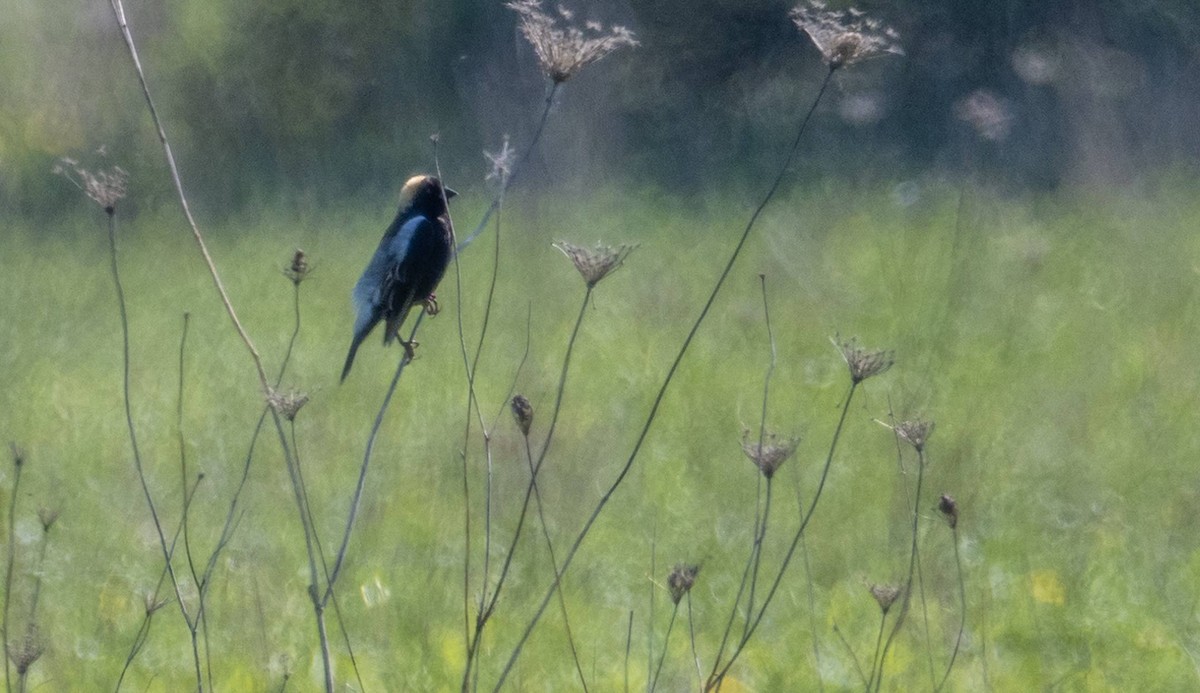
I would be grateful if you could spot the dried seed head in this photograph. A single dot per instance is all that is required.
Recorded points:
(288, 404)
(596, 263)
(297, 270)
(949, 508)
(845, 37)
(886, 595)
(502, 163)
(523, 412)
(563, 51)
(681, 579)
(864, 363)
(104, 187)
(47, 516)
(771, 453)
(915, 433)
(26, 651)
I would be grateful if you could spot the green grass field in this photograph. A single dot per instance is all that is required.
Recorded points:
(1052, 339)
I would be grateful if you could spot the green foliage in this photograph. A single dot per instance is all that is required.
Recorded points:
(1050, 338)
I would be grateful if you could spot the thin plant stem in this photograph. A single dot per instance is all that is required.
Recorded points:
(877, 665)
(666, 641)
(469, 366)
(761, 531)
(628, 646)
(11, 559)
(962, 608)
(234, 502)
(662, 391)
(483, 616)
(692, 639)
(137, 457)
(652, 591)
(758, 542)
(37, 582)
(127, 35)
(853, 657)
(306, 523)
(912, 565)
(355, 501)
(562, 600)
(118, 9)
(337, 611)
(199, 619)
(925, 622)
(144, 630)
(737, 599)
(812, 613)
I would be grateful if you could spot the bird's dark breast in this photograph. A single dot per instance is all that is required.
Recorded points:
(430, 251)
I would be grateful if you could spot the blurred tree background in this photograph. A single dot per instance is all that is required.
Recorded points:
(299, 100)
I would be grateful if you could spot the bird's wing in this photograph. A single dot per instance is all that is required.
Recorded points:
(401, 282)
(372, 292)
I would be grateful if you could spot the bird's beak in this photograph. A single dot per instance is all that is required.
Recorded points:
(449, 193)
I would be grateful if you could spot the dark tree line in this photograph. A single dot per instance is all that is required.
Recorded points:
(322, 99)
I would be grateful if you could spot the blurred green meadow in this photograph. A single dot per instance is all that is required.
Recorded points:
(1051, 338)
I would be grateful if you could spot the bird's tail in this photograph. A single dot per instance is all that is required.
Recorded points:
(358, 339)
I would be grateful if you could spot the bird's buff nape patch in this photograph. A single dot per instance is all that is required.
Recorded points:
(410, 187)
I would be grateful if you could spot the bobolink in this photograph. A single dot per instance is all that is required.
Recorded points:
(407, 266)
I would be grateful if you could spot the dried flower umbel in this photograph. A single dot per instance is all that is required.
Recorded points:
(681, 579)
(915, 433)
(949, 509)
(288, 404)
(864, 363)
(297, 270)
(846, 36)
(26, 651)
(886, 595)
(502, 163)
(523, 413)
(104, 187)
(563, 51)
(771, 453)
(596, 263)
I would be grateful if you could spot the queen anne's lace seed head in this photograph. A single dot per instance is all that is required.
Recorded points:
(595, 263)
(563, 51)
(845, 37)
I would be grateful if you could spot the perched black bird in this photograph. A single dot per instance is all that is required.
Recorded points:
(407, 266)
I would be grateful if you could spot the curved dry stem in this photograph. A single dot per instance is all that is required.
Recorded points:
(119, 13)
